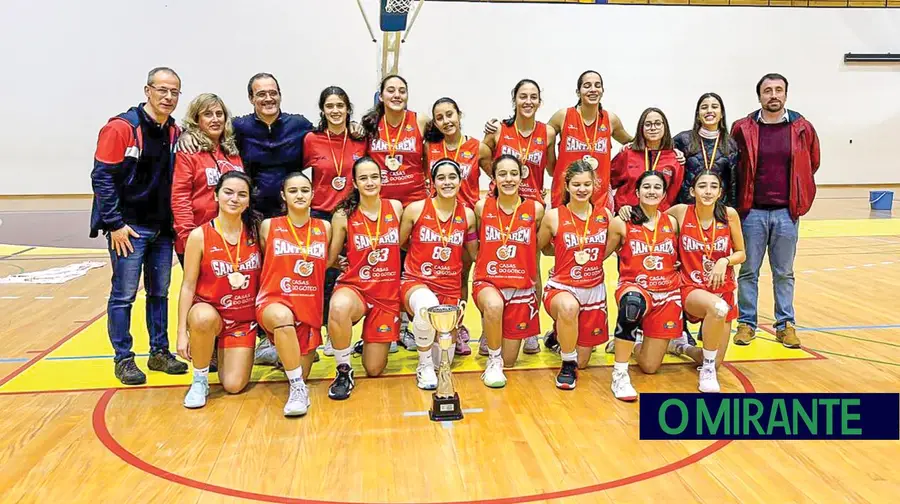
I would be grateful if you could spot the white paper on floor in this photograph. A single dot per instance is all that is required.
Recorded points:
(58, 275)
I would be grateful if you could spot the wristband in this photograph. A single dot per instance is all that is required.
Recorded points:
(471, 236)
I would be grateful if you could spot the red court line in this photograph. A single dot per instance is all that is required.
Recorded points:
(46, 352)
(105, 437)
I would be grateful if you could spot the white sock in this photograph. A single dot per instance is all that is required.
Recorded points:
(569, 356)
(342, 356)
(295, 375)
(709, 357)
(202, 372)
(620, 367)
(494, 354)
(425, 358)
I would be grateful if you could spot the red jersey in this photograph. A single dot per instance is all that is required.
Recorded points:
(331, 158)
(653, 270)
(194, 182)
(293, 272)
(235, 305)
(700, 249)
(628, 165)
(373, 252)
(588, 240)
(507, 257)
(404, 181)
(533, 149)
(435, 253)
(467, 158)
(578, 141)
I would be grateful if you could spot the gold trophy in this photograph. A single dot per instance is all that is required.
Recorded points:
(445, 401)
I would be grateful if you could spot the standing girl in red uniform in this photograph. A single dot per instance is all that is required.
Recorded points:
(435, 231)
(506, 271)
(648, 294)
(444, 139)
(291, 291)
(218, 292)
(367, 227)
(575, 295)
(711, 244)
(652, 150)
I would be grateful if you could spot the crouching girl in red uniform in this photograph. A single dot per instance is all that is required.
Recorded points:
(291, 291)
(218, 293)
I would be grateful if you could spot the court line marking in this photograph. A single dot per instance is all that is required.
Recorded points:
(101, 430)
(771, 330)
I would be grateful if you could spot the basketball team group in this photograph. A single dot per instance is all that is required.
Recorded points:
(284, 228)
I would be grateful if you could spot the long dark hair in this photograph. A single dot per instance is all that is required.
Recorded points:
(581, 81)
(323, 121)
(515, 91)
(432, 133)
(640, 143)
(575, 168)
(494, 163)
(637, 213)
(720, 213)
(370, 120)
(251, 218)
(725, 143)
(351, 202)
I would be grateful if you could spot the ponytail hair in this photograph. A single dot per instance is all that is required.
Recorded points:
(504, 157)
(432, 133)
(720, 212)
(576, 168)
(370, 121)
(637, 213)
(581, 81)
(351, 202)
(515, 91)
(250, 217)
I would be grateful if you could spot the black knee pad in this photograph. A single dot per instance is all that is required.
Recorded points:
(632, 307)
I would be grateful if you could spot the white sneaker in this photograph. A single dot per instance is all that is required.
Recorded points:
(611, 346)
(425, 376)
(621, 387)
(393, 348)
(266, 355)
(328, 351)
(709, 383)
(493, 375)
(531, 346)
(196, 395)
(298, 400)
(677, 345)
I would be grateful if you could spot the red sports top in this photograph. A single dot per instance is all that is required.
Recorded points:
(467, 158)
(295, 275)
(700, 249)
(234, 305)
(512, 264)
(407, 184)
(570, 235)
(425, 263)
(628, 165)
(510, 142)
(194, 182)
(326, 157)
(654, 271)
(373, 252)
(574, 144)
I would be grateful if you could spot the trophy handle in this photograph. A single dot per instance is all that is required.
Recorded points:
(462, 311)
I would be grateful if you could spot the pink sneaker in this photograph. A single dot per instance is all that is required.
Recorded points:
(462, 341)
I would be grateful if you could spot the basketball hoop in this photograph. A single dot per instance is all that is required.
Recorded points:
(394, 14)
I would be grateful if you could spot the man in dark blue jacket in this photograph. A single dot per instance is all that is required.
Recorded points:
(132, 179)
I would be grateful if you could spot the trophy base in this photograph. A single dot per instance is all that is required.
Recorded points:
(445, 408)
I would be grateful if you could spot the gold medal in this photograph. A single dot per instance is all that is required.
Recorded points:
(392, 163)
(591, 160)
(445, 254)
(707, 265)
(502, 253)
(373, 258)
(339, 183)
(592, 142)
(581, 257)
(524, 171)
(236, 279)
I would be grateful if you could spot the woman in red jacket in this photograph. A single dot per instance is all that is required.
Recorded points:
(652, 150)
(196, 175)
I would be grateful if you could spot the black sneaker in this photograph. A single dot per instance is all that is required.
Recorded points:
(357, 348)
(214, 362)
(343, 383)
(163, 360)
(128, 373)
(551, 342)
(567, 374)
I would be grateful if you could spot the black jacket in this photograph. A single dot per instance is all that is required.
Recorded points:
(725, 166)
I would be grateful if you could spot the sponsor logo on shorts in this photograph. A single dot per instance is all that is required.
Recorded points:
(383, 328)
(670, 325)
(521, 326)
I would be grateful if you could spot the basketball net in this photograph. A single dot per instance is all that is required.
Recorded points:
(395, 30)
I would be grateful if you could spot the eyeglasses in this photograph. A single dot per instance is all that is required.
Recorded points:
(653, 125)
(264, 94)
(165, 91)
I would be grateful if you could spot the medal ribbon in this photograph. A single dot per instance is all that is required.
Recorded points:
(524, 159)
(373, 242)
(338, 167)
(706, 163)
(392, 146)
(707, 247)
(592, 146)
(647, 160)
(582, 237)
(655, 231)
(462, 140)
(437, 219)
(504, 235)
(304, 248)
(236, 260)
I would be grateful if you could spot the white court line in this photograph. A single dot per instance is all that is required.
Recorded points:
(43, 297)
(10, 297)
(78, 297)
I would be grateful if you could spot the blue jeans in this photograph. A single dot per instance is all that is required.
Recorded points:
(775, 231)
(152, 254)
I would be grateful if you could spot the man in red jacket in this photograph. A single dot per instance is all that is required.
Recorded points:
(779, 156)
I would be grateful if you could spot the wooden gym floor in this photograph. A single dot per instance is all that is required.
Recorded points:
(71, 433)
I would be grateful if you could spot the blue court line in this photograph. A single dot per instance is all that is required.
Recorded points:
(14, 360)
(10, 360)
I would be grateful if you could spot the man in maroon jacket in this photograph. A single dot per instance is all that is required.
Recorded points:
(776, 185)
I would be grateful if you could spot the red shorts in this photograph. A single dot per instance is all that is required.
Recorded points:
(663, 319)
(408, 285)
(308, 337)
(728, 297)
(593, 328)
(520, 310)
(380, 325)
(238, 335)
